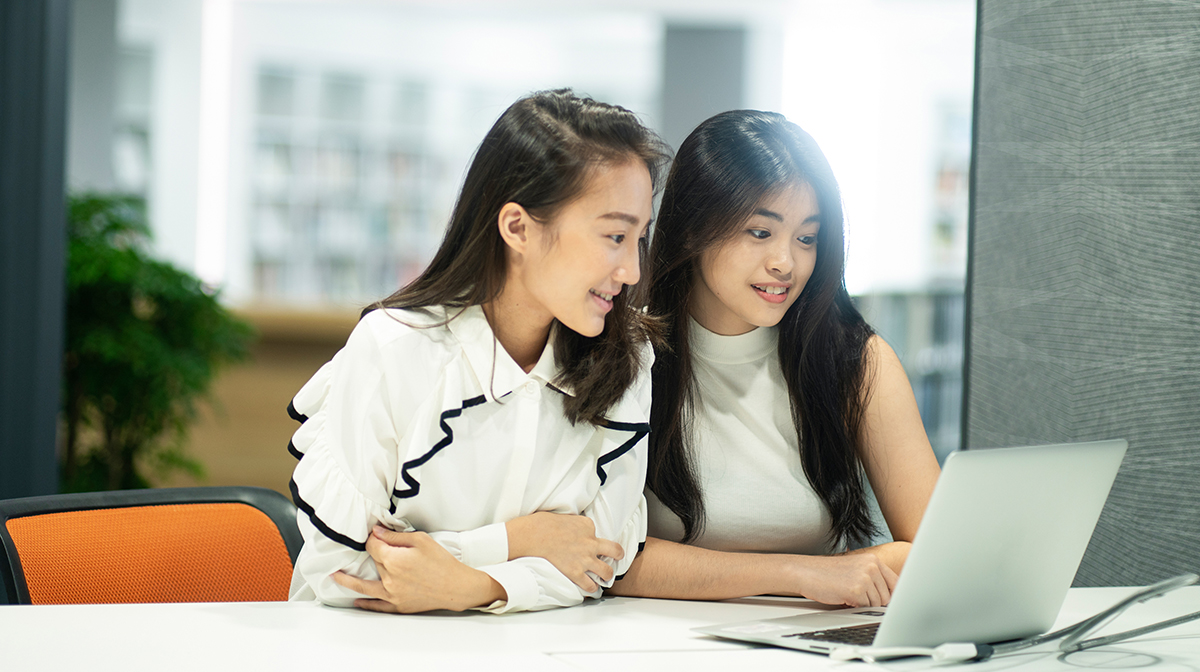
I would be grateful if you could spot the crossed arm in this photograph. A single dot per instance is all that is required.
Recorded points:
(417, 574)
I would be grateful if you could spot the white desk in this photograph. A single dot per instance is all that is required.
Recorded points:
(613, 635)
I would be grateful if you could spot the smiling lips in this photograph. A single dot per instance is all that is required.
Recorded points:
(604, 300)
(772, 293)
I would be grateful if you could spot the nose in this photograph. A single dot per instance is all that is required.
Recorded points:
(779, 260)
(629, 269)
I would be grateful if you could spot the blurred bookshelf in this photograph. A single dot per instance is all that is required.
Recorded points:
(340, 207)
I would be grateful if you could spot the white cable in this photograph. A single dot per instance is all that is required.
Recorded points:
(956, 652)
(946, 653)
(872, 654)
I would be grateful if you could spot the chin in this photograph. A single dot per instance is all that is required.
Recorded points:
(768, 320)
(592, 332)
(585, 327)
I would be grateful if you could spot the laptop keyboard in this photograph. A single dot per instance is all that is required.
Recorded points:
(855, 634)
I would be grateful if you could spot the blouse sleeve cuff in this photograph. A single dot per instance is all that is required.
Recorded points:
(518, 582)
(487, 545)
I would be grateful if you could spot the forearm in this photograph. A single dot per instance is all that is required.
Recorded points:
(675, 571)
(669, 570)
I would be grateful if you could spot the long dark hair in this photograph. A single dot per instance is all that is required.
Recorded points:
(721, 174)
(540, 154)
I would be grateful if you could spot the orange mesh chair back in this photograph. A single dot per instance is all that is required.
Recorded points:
(171, 545)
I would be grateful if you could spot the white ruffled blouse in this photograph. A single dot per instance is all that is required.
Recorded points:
(436, 428)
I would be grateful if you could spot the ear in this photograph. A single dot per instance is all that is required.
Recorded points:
(514, 225)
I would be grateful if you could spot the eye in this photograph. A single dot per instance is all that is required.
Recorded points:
(617, 238)
(807, 240)
(759, 234)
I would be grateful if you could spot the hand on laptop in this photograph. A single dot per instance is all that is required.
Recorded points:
(857, 580)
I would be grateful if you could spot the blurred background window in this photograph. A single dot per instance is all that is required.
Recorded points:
(304, 155)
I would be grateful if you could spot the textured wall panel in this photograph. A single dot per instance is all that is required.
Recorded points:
(1085, 265)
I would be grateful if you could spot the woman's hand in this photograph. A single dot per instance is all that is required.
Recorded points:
(857, 580)
(893, 553)
(568, 542)
(417, 574)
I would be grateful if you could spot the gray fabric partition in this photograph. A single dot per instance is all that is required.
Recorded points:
(1084, 281)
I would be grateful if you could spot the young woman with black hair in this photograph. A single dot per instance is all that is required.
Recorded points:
(772, 397)
(509, 381)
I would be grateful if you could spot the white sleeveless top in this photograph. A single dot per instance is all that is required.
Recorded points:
(745, 451)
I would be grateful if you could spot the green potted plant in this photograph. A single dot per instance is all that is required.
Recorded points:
(144, 341)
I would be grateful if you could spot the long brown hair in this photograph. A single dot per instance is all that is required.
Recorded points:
(721, 174)
(540, 154)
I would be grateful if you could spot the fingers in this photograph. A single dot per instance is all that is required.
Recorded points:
(869, 595)
(346, 581)
(381, 606)
(601, 569)
(879, 591)
(382, 540)
(882, 594)
(891, 578)
(584, 577)
(393, 538)
(375, 546)
(585, 583)
(369, 588)
(886, 582)
(609, 549)
(872, 597)
(383, 552)
(597, 568)
(874, 588)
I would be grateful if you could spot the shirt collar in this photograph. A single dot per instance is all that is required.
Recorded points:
(498, 374)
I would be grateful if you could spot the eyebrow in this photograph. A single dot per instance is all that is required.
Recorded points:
(622, 216)
(763, 212)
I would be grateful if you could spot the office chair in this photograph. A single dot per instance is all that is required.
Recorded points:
(228, 544)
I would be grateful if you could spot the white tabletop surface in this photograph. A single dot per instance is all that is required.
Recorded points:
(611, 635)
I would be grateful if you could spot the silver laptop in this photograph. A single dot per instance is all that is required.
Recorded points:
(992, 561)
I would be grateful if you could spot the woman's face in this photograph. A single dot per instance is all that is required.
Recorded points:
(753, 278)
(588, 253)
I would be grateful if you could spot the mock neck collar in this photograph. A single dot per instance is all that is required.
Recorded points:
(748, 347)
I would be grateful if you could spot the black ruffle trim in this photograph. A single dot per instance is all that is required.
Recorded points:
(639, 429)
(320, 524)
(296, 415)
(414, 486)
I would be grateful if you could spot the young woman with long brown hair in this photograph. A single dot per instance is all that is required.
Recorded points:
(508, 381)
(774, 402)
